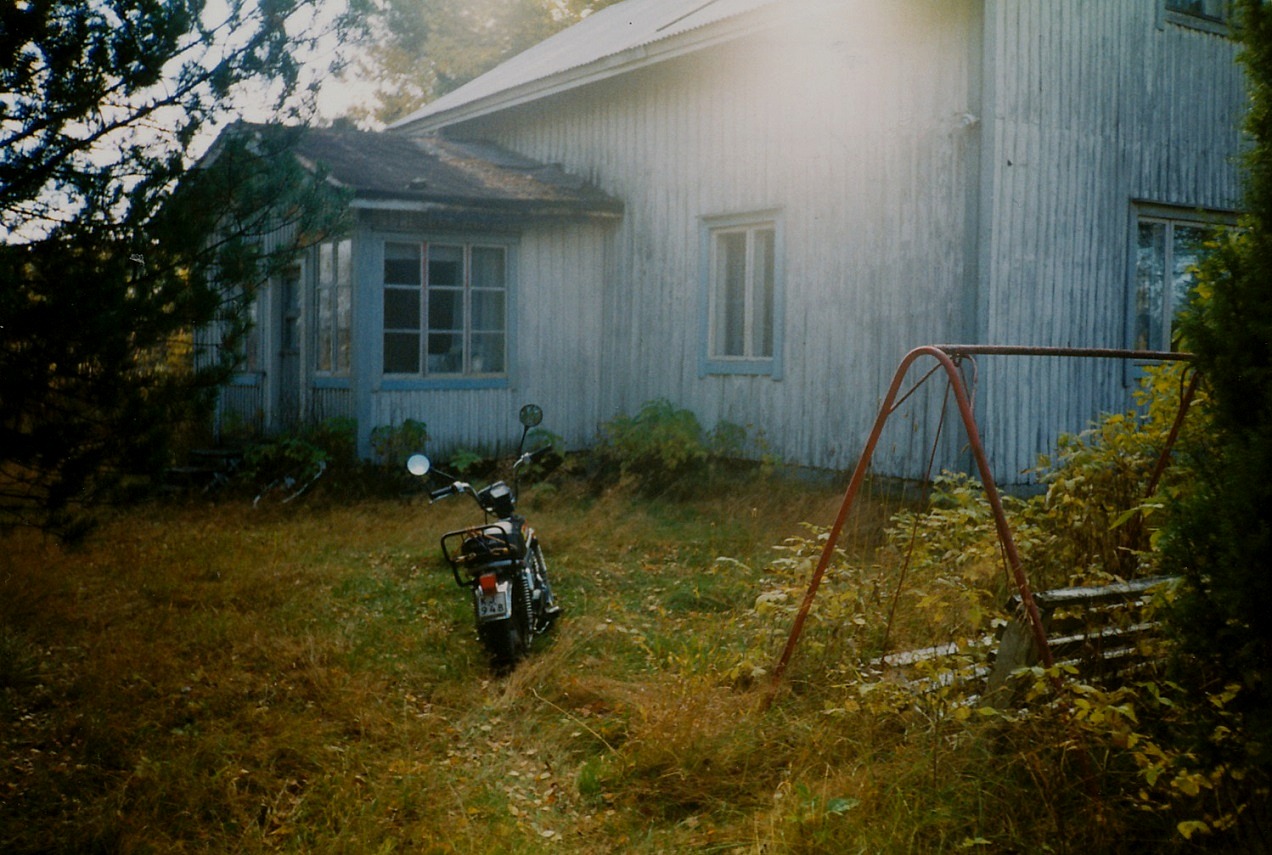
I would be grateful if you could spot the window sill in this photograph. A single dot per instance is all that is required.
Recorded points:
(753, 367)
(247, 378)
(419, 384)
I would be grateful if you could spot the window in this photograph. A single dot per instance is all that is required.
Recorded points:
(335, 308)
(1214, 10)
(1167, 248)
(445, 309)
(249, 347)
(236, 334)
(742, 272)
(1210, 15)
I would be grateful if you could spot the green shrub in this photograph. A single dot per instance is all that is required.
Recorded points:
(661, 434)
(467, 461)
(664, 447)
(393, 444)
(286, 465)
(282, 465)
(1097, 520)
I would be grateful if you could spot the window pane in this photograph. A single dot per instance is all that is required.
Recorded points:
(487, 267)
(325, 333)
(401, 353)
(401, 308)
(291, 289)
(344, 306)
(326, 327)
(1150, 277)
(402, 264)
(1187, 246)
(762, 298)
(445, 309)
(326, 264)
(403, 276)
(344, 348)
(250, 347)
(488, 311)
(445, 353)
(344, 264)
(445, 266)
(488, 353)
(730, 294)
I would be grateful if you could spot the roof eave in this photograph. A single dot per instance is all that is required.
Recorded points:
(532, 209)
(614, 65)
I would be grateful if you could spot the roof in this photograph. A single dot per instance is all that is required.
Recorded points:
(428, 173)
(610, 42)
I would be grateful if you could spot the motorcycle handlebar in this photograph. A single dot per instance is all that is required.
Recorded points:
(461, 487)
(531, 456)
(448, 490)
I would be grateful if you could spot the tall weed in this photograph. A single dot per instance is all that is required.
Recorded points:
(664, 449)
(283, 679)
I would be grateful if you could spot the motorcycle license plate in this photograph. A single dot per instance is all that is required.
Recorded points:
(496, 605)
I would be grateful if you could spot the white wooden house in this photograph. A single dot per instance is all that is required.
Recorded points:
(775, 200)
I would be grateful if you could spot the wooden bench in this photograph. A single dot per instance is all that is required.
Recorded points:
(1101, 629)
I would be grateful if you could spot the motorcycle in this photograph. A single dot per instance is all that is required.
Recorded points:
(500, 561)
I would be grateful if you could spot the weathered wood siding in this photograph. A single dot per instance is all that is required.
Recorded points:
(557, 276)
(855, 127)
(1094, 105)
(946, 171)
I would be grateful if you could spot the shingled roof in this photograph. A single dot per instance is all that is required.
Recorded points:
(429, 173)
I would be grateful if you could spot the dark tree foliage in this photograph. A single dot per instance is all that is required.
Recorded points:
(109, 253)
(1221, 538)
(422, 49)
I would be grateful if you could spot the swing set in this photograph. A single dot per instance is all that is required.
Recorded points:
(949, 358)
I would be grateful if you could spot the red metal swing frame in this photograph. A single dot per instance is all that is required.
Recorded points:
(948, 356)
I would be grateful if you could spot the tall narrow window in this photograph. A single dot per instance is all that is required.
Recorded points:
(333, 349)
(743, 290)
(249, 347)
(403, 297)
(445, 309)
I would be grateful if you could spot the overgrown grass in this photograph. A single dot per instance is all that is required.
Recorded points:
(214, 678)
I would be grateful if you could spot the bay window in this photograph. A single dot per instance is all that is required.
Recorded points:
(445, 309)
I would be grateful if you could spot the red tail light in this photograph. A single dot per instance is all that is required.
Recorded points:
(488, 583)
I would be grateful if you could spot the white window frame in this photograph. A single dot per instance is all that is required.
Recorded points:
(471, 374)
(762, 286)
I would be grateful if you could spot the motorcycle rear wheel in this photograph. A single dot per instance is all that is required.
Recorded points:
(508, 640)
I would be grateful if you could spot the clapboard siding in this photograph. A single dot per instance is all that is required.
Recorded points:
(330, 403)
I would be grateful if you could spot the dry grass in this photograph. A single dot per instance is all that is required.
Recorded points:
(217, 678)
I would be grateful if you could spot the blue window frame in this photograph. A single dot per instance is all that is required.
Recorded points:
(446, 311)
